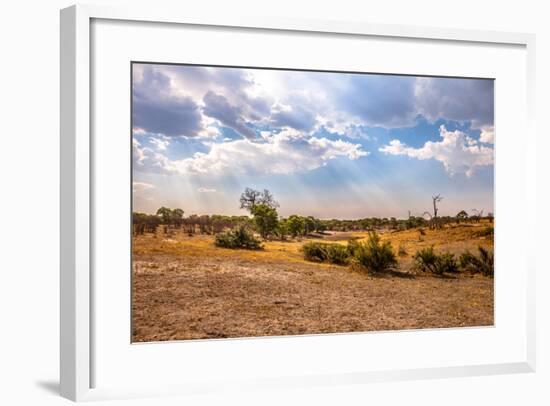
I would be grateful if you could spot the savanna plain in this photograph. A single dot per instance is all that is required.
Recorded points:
(186, 285)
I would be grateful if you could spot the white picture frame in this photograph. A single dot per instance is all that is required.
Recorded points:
(77, 355)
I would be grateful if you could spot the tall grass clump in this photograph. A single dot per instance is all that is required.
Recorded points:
(374, 255)
(485, 232)
(447, 263)
(323, 252)
(352, 247)
(239, 237)
(483, 264)
(427, 260)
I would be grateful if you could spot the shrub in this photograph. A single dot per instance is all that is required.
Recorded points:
(483, 264)
(314, 251)
(426, 260)
(446, 262)
(467, 261)
(322, 252)
(375, 256)
(239, 237)
(487, 261)
(353, 246)
(337, 254)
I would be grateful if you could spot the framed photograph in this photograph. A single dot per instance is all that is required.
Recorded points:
(274, 203)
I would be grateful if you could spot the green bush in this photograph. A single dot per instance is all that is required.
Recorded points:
(483, 264)
(323, 252)
(446, 263)
(467, 261)
(375, 256)
(338, 254)
(239, 237)
(353, 246)
(427, 260)
(314, 251)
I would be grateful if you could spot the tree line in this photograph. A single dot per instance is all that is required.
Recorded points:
(265, 220)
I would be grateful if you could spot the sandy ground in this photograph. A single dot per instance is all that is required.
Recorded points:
(186, 288)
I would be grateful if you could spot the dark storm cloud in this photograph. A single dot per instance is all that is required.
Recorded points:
(219, 108)
(156, 110)
(298, 118)
(457, 99)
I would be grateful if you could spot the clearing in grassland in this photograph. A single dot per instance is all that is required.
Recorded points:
(187, 288)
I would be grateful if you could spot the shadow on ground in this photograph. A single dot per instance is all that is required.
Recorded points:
(52, 387)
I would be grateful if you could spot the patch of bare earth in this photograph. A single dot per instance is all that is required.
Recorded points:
(188, 289)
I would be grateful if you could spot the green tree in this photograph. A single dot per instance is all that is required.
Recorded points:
(461, 216)
(177, 217)
(165, 214)
(309, 224)
(265, 219)
(296, 225)
(283, 229)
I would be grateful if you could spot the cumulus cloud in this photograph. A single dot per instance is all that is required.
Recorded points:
(147, 160)
(218, 107)
(456, 151)
(456, 99)
(161, 143)
(157, 109)
(282, 153)
(487, 135)
(285, 152)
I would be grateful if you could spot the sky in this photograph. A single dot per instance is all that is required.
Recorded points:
(326, 144)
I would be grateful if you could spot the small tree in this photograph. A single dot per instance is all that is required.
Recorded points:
(296, 225)
(165, 214)
(461, 216)
(265, 219)
(282, 229)
(435, 220)
(309, 224)
(477, 215)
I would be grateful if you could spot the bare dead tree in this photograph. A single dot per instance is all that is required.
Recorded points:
(434, 222)
(477, 215)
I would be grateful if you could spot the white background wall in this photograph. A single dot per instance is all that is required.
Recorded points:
(29, 203)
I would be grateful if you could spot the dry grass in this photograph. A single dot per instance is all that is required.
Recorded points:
(186, 288)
